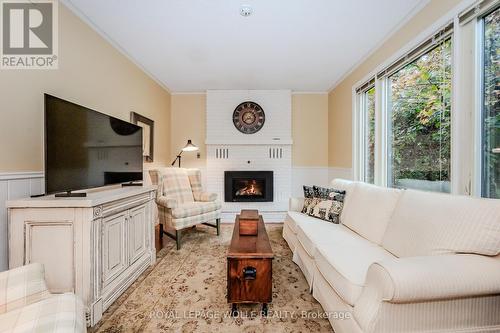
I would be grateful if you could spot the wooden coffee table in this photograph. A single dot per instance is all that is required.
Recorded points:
(249, 268)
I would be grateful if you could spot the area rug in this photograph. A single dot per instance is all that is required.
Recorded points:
(185, 291)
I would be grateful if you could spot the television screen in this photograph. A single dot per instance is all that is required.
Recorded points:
(86, 149)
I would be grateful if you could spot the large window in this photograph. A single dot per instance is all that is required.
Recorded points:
(369, 135)
(418, 108)
(491, 107)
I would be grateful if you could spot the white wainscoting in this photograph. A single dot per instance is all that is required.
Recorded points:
(343, 173)
(15, 185)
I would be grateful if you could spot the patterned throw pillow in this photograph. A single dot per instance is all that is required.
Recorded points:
(309, 197)
(329, 204)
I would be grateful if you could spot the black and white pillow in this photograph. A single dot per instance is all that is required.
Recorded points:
(329, 204)
(309, 197)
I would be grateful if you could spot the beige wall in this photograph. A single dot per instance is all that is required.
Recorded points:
(188, 120)
(340, 98)
(92, 73)
(309, 128)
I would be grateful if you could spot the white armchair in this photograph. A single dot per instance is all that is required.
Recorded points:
(182, 203)
(26, 305)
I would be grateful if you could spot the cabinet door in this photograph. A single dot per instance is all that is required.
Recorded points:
(137, 233)
(114, 254)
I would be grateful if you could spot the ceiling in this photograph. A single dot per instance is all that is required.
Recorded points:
(195, 45)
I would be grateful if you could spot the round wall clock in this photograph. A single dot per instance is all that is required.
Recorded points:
(249, 117)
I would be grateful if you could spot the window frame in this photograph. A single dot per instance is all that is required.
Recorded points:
(381, 84)
(466, 103)
(478, 176)
(386, 77)
(362, 126)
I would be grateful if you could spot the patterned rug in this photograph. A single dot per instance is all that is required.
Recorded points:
(186, 292)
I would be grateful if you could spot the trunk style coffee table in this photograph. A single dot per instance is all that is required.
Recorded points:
(249, 268)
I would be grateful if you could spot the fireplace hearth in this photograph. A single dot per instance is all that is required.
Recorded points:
(248, 186)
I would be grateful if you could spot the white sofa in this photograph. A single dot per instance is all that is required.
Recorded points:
(402, 260)
(26, 305)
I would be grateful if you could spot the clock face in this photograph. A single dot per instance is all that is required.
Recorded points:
(248, 117)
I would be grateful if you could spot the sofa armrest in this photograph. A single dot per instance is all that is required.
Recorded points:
(22, 286)
(167, 202)
(205, 196)
(428, 278)
(296, 204)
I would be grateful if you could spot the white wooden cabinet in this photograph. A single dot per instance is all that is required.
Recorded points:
(94, 246)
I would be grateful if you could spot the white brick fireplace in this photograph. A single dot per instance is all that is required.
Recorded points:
(270, 149)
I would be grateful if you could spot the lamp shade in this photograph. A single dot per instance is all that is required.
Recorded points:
(190, 147)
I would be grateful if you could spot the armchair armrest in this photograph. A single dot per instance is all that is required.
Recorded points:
(427, 278)
(166, 202)
(296, 204)
(22, 286)
(205, 196)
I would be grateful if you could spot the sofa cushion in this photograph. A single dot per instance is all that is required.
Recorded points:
(195, 208)
(370, 210)
(344, 264)
(310, 235)
(58, 313)
(426, 223)
(330, 204)
(309, 201)
(348, 186)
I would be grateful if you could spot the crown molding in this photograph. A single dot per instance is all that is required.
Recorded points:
(309, 92)
(188, 93)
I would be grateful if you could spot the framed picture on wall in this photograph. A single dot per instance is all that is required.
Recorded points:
(148, 126)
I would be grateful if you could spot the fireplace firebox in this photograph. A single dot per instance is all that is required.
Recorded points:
(248, 186)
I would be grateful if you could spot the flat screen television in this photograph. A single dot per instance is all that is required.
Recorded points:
(86, 149)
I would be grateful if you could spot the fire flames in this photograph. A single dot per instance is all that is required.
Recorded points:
(252, 188)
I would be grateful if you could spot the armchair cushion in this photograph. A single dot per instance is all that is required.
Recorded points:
(195, 208)
(176, 184)
(205, 196)
(22, 286)
(167, 202)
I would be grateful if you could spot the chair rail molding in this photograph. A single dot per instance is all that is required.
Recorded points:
(14, 185)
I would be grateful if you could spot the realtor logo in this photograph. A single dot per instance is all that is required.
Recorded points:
(29, 34)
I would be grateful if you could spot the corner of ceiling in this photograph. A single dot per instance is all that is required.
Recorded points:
(82, 16)
(417, 8)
